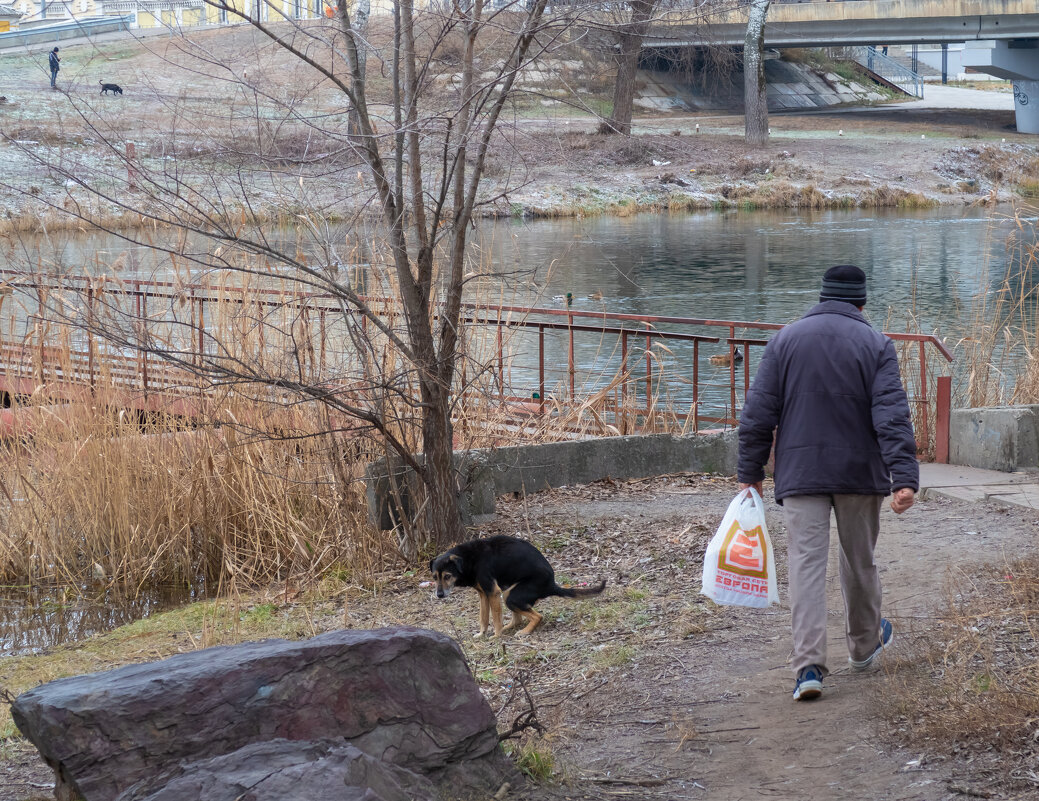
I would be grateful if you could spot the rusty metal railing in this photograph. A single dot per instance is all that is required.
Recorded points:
(630, 372)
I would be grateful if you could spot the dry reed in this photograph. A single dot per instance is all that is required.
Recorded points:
(999, 351)
(973, 684)
(111, 499)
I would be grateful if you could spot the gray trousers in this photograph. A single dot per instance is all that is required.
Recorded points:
(808, 546)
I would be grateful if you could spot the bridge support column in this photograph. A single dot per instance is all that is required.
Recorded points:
(1014, 60)
(1026, 106)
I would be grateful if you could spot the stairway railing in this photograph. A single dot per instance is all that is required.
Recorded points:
(887, 68)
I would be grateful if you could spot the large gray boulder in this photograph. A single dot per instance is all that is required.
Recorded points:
(279, 770)
(404, 696)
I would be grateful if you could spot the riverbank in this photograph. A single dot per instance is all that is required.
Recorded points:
(546, 162)
(841, 160)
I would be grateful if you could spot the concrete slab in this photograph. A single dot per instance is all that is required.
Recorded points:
(965, 494)
(978, 485)
(955, 97)
(1029, 500)
(954, 475)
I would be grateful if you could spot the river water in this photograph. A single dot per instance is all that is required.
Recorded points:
(754, 266)
(929, 265)
(763, 266)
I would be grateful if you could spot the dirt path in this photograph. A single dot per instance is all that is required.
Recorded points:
(711, 716)
(651, 691)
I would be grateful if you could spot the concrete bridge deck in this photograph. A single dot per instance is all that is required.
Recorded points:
(1002, 36)
(862, 22)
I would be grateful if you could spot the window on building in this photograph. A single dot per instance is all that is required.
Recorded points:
(83, 5)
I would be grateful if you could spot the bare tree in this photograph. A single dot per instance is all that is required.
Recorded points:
(629, 36)
(411, 158)
(754, 89)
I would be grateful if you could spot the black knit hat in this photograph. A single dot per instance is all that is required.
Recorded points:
(844, 282)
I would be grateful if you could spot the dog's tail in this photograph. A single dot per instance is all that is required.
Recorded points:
(579, 592)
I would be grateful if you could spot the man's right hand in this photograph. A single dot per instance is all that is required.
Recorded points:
(902, 499)
(756, 485)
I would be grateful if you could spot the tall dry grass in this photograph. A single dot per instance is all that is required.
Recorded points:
(970, 686)
(999, 353)
(107, 498)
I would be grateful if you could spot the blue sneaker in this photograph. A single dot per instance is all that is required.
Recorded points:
(887, 636)
(809, 683)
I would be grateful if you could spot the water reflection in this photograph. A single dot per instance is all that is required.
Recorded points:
(38, 617)
(761, 266)
(756, 266)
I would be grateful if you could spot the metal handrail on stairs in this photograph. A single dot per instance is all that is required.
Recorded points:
(887, 68)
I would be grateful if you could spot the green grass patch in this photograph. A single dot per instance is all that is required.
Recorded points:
(536, 760)
(614, 656)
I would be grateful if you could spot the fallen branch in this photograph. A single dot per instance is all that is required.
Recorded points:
(528, 718)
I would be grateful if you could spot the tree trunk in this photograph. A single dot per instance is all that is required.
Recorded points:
(629, 46)
(362, 11)
(442, 520)
(755, 97)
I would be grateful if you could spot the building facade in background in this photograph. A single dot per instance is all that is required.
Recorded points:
(154, 13)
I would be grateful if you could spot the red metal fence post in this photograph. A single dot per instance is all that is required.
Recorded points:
(732, 378)
(90, 334)
(624, 392)
(941, 425)
(571, 368)
(649, 374)
(696, 386)
(924, 422)
(501, 361)
(541, 369)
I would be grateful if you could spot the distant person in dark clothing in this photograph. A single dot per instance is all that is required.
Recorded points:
(54, 61)
(829, 394)
(884, 50)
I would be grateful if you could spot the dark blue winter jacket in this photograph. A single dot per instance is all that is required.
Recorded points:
(829, 386)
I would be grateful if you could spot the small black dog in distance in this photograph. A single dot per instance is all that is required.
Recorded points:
(505, 569)
(110, 87)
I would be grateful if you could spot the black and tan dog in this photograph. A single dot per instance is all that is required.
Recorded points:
(114, 88)
(502, 569)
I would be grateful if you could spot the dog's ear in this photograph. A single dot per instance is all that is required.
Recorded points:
(431, 562)
(457, 560)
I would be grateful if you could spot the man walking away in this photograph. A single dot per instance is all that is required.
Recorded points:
(829, 387)
(54, 62)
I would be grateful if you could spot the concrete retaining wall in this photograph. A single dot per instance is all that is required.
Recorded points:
(996, 438)
(486, 474)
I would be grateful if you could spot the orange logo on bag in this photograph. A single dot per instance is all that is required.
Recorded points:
(743, 552)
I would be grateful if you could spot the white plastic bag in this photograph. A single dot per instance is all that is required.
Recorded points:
(739, 568)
